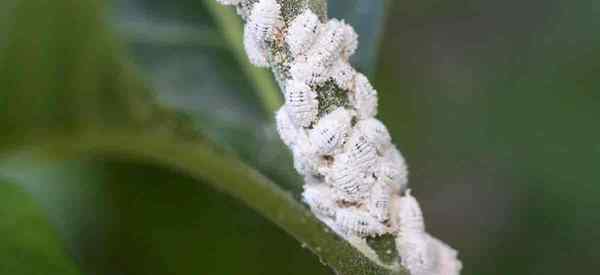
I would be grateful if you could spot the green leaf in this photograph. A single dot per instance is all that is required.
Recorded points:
(28, 243)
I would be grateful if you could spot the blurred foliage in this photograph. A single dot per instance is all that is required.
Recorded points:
(494, 104)
(28, 244)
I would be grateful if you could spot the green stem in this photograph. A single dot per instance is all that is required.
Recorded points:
(201, 160)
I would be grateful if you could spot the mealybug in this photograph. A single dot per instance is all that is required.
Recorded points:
(263, 22)
(376, 133)
(301, 103)
(379, 201)
(302, 32)
(393, 170)
(343, 74)
(355, 222)
(330, 131)
(364, 97)
(320, 199)
(286, 129)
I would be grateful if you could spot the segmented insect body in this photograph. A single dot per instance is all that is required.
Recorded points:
(320, 199)
(302, 32)
(286, 129)
(305, 161)
(355, 222)
(376, 133)
(411, 239)
(379, 201)
(410, 214)
(361, 153)
(352, 172)
(364, 97)
(327, 47)
(393, 170)
(343, 74)
(301, 103)
(313, 66)
(350, 183)
(263, 22)
(255, 53)
(330, 131)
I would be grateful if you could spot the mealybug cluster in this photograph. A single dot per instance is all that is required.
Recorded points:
(355, 178)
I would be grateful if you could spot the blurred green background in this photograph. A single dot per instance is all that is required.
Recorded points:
(495, 104)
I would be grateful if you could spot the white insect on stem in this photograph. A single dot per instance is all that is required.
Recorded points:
(264, 20)
(379, 201)
(302, 32)
(364, 97)
(330, 131)
(286, 129)
(358, 223)
(412, 240)
(301, 103)
(343, 74)
(321, 200)
(354, 175)
(393, 172)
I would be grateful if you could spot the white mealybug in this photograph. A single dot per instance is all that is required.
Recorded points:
(352, 171)
(326, 49)
(302, 32)
(376, 133)
(412, 241)
(305, 162)
(379, 201)
(320, 199)
(263, 22)
(393, 170)
(444, 258)
(313, 66)
(308, 73)
(343, 74)
(355, 222)
(360, 152)
(351, 183)
(413, 250)
(364, 97)
(229, 2)
(286, 129)
(255, 53)
(350, 43)
(301, 103)
(330, 131)
(410, 214)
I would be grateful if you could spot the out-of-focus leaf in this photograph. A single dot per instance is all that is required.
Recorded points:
(28, 243)
(186, 58)
(368, 19)
(73, 197)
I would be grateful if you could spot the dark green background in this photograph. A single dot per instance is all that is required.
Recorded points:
(495, 104)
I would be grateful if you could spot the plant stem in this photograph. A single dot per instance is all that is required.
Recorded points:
(203, 161)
